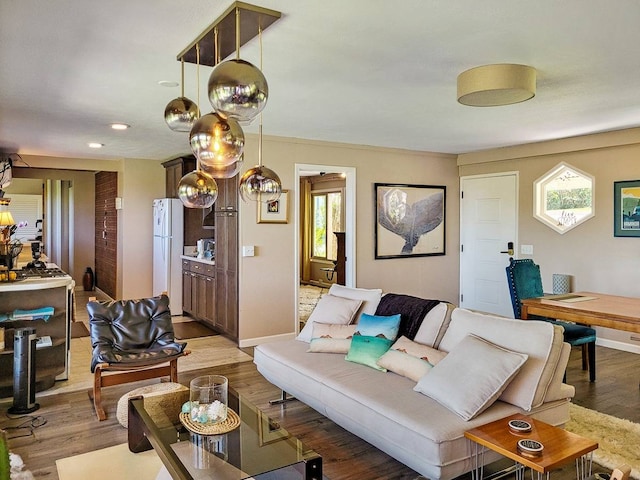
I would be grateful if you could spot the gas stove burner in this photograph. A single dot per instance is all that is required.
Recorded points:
(40, 273)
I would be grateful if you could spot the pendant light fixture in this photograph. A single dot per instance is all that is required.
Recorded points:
(237, 88)
(217, 142)
(180, 113)
(238, 92)
(260, 184)
(197, 189)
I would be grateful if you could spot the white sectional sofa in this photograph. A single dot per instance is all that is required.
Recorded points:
(487, 368)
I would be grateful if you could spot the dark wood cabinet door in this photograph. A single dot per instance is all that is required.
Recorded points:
(187, 304)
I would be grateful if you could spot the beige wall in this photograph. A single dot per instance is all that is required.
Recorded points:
(596, 259)
(267, 283)
(139, 183)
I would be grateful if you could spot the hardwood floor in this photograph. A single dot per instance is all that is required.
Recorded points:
(71, 426)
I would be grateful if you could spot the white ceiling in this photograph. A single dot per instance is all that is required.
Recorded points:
(370, 72)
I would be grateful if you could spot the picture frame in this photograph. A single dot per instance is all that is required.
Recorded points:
(269, 431)
(276, 211)
(409, 220)
(626, 208)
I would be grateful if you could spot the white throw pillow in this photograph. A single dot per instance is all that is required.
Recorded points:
(330, 309)
(370, 297)
(434, 325)
(331, 338)
(410, 359)
(471, 377)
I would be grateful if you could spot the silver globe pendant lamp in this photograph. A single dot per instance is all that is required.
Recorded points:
(197, 189)
(216, 142)
(238, 89)
(260, 184)
(228, 171)
(181, 113)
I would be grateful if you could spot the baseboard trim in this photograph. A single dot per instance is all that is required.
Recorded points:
(252, 342)
(617, 345)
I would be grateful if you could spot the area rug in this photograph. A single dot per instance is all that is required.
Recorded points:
(308, 296)
(618, 439)
(117, 460)
(124, 465)
(79, 330)
(186, 330)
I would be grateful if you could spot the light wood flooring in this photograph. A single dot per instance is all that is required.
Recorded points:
(71, 426)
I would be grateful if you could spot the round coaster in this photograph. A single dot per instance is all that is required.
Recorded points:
(519, 426)
(530, 447)
(231, 423)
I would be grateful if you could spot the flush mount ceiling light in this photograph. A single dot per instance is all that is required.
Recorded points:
(496, 85)
(120, 126)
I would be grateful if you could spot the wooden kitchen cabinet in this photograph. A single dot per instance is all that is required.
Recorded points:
(227, 272)
(198, 290)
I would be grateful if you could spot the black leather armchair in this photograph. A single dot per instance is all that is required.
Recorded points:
(134, 338)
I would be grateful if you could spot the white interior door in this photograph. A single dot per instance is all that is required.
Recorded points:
(488, 223)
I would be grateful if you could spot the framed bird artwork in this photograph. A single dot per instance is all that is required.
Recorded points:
(410, 220)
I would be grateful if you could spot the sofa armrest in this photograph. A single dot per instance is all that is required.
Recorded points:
(558, 390)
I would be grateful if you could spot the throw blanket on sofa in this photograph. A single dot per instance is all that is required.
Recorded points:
(411, 309)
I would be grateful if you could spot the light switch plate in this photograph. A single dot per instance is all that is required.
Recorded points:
(526, 249)
(248, 251)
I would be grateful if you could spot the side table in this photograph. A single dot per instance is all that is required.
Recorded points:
(560, 447)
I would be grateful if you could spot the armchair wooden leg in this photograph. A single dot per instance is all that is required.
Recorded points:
(96, 394)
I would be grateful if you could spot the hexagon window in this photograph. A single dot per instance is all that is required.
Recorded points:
(563, 198)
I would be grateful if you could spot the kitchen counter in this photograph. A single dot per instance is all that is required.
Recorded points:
(193, 258)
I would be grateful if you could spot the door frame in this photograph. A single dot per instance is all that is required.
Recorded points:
(350, 224)
(516, 242)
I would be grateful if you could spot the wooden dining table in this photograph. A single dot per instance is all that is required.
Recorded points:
(587, 308)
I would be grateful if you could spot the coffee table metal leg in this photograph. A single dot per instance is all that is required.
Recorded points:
(477, 472)
(583, 466)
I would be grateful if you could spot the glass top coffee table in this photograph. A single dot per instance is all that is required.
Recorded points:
(258, 449)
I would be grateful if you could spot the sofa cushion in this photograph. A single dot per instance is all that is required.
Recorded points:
(434, 325)
(541, 341)
(410, 359)
(366, 350)
(370, 297)
(330, 309)
(471, 377)
(378, 326)
(329, 338)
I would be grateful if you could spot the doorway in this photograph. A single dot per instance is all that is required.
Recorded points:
(301, 171)
(488, 223)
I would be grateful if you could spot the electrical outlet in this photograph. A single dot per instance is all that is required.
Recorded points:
(526, 249)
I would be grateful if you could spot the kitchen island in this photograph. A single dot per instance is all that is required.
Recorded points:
(19, 302)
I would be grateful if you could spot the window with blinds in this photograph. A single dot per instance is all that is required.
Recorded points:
(26, 208)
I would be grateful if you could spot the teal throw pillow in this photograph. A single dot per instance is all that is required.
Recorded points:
(366, 350)
(378, 326)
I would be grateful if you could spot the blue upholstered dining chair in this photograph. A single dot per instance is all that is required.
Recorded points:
(523, 277)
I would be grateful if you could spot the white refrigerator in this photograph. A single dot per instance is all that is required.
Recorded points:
(167, 250)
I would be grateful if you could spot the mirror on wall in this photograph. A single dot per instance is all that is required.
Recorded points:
(564, 198)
